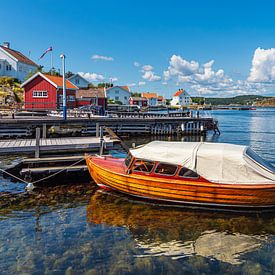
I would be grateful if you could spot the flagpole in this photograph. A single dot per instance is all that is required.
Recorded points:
(51, 62)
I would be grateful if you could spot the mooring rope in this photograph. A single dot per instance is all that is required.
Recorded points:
(30, 185)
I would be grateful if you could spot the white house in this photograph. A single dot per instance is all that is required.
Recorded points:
(119, 93)
(79, 81)
(181, 98)
(14, 64)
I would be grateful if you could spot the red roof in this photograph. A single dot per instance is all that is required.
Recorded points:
(179, 92)
(125, 88)
(58, 81)
(19, 56)
(149, 95)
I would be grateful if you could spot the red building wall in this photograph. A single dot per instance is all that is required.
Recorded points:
(40, 84)
(142, 103)
(85, 101)
(49, 103)
(70, 94)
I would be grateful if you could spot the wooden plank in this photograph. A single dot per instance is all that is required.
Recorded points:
(52, 159)
(53, 169)
(68, 144)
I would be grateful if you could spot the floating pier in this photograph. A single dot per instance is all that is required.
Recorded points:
(54, 145)
(122, 124)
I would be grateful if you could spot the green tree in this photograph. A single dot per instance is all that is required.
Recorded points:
(136, 94)
(69, 74)
(106, 85)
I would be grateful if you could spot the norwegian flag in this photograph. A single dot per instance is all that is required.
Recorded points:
(48, 50)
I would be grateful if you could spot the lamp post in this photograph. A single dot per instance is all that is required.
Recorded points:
(62, 56)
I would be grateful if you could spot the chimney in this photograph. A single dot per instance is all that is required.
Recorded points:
(6, 44)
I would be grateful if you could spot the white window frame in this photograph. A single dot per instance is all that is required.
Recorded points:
(40, 94)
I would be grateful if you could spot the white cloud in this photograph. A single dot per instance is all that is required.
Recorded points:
(180, 66)
(263, 66)
(113, 79)
(136, 64)
(164, 83)
(141, 83)
(92, 76)
(166, 75)
(147, 68)
(131, 84)
(102, 57)
(151, 76)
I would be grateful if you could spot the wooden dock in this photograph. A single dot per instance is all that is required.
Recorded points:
(54, 145)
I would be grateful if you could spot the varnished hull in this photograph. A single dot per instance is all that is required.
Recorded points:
(105, 173)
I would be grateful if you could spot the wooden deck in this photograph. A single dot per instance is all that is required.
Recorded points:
(53, 145)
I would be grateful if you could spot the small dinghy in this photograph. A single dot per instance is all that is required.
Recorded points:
(207, 174)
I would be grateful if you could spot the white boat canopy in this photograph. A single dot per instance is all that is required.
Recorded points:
(216, 162)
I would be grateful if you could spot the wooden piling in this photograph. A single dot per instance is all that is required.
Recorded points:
(37, 142)
(101, 141)
(44, 131)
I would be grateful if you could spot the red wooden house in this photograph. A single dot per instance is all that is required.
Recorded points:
(140, 101)
(94, 96)
(45, 92)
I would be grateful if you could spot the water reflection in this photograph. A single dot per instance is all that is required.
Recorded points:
(179, 233)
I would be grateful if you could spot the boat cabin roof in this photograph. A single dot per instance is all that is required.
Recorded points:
(216, 162)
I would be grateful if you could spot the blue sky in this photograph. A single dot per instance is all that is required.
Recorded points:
(210, 48)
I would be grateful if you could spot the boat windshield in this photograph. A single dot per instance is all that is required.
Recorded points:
(256, 158)
(127, 160)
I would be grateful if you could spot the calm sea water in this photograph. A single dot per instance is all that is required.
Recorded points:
(78, 229)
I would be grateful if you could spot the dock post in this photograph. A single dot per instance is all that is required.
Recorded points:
(101, 140)
(97, 130)
(44, 131)
(37, 141)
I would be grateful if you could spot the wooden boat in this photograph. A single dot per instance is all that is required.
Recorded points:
(208, 174)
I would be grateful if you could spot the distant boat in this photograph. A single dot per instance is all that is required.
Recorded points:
(207, 174)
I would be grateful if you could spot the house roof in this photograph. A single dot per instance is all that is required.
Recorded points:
(160, 97)
(149, 95)
(19, 56)
(179, 92)
(56, 81)
(91, 93)
(75, 75)
(126, 88)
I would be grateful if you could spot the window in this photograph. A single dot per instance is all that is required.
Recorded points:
(256, 158)
(70, 98)
(0, 66)
(117, 98)
(125, 97)
(8, 67)
(117, 92)
(40, 94)
(76, 81)
(187, 173)
(166, 169)
(143, 166)
(20, 68)
(128, 160)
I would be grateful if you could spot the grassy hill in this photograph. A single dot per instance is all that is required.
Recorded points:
(237, 100)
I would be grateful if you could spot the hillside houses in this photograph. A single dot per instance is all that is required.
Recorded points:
(15, 64)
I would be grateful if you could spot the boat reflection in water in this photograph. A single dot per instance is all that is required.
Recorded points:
(182, 232)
